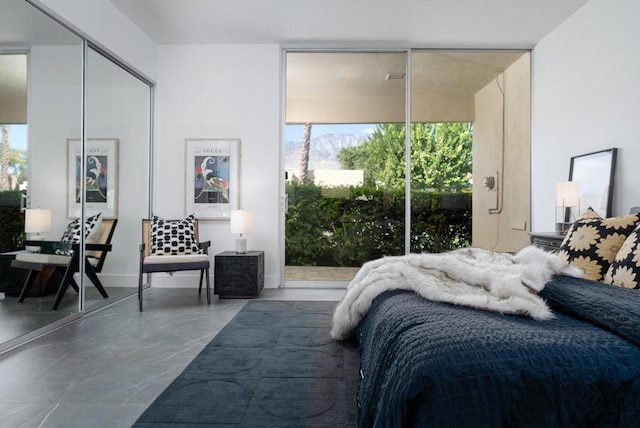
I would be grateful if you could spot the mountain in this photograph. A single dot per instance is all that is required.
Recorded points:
(323, 151)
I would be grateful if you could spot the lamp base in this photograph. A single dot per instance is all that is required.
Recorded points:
(36, 237)
(241, 245)
(563, 227)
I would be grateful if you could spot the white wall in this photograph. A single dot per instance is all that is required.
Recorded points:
(103, 22)
(586, 94)
(222, 91)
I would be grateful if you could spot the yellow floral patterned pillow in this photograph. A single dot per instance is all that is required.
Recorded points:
(592, 243)
(625, 269)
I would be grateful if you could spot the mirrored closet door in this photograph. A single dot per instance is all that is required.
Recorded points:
(76, 142)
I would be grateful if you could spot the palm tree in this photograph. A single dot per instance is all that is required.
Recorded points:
(4, 159)
(304, 153)
(17, 167)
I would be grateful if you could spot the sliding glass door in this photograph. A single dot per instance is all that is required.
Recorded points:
(348, 156)
(345, 179)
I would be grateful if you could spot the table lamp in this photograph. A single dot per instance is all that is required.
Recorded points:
(567, 197)
(37, 221)
(241, 223)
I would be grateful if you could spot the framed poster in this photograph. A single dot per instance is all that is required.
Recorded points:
(212, 177)
(101, 177)
(595, 174)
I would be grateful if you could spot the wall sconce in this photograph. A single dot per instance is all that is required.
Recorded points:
(37, 221)
(567, 197)
(241, 221)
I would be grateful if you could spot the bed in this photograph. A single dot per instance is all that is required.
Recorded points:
(474, 338)
(429, 363)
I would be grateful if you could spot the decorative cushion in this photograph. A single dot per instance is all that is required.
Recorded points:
(47, 259)
(173, 237)
(625, 269)
(186, 258)
(593, 242)
(71, 234)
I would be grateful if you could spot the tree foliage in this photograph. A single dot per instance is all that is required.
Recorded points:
(440, 156)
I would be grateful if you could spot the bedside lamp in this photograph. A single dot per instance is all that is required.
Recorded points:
(241, 223)
(37, 221)
(567, 197)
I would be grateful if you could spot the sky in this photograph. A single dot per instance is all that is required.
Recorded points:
(18, 137)
(18, 133)
(294, 132)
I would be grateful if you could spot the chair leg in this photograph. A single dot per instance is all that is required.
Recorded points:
(208, 288)
(74, 285)
(33, 274)
(95, 280)
(64, 284)
(140, 291)
(200, 286)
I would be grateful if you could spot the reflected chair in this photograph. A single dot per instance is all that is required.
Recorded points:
(64, 258)
(172, 246)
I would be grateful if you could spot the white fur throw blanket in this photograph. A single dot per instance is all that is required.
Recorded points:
(483, 279)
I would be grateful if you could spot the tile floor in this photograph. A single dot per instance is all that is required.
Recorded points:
(18, 319)
(106, 368)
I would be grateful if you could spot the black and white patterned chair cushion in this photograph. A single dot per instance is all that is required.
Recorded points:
(625, 269)
(592, 243)
(173, 237)
(72, 232)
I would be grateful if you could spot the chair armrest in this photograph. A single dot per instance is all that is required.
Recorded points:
(97, 247)
(204, 246)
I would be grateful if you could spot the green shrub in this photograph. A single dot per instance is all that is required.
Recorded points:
(325, 230)
(11, 221)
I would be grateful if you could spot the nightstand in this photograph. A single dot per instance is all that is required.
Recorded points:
(549, 241)
(238, 276)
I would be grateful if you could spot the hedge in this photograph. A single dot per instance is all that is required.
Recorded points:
(11, 221)
(349, 226)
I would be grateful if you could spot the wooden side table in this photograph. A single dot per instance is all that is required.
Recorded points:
(238, 276)
(549, 241)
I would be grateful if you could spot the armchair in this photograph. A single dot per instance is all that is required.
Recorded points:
(172, 246)
(64, 257)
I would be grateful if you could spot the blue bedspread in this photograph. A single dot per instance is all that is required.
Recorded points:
(434, 364)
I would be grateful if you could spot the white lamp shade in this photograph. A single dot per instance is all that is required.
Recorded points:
(568, 194)
(37, 220)
(241, 221)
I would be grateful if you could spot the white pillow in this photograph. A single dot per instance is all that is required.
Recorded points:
(173, 237)
(92, 227)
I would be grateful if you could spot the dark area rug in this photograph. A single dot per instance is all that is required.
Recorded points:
(273, 365)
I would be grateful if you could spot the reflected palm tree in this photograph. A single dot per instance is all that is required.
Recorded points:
(4, 159)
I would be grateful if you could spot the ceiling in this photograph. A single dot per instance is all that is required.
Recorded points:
(332, 23)
(344, 74)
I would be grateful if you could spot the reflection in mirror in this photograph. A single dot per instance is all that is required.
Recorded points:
(118, 133)
(41, 112)
(36, 123)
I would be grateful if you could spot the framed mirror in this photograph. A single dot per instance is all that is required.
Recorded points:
(595, 173)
